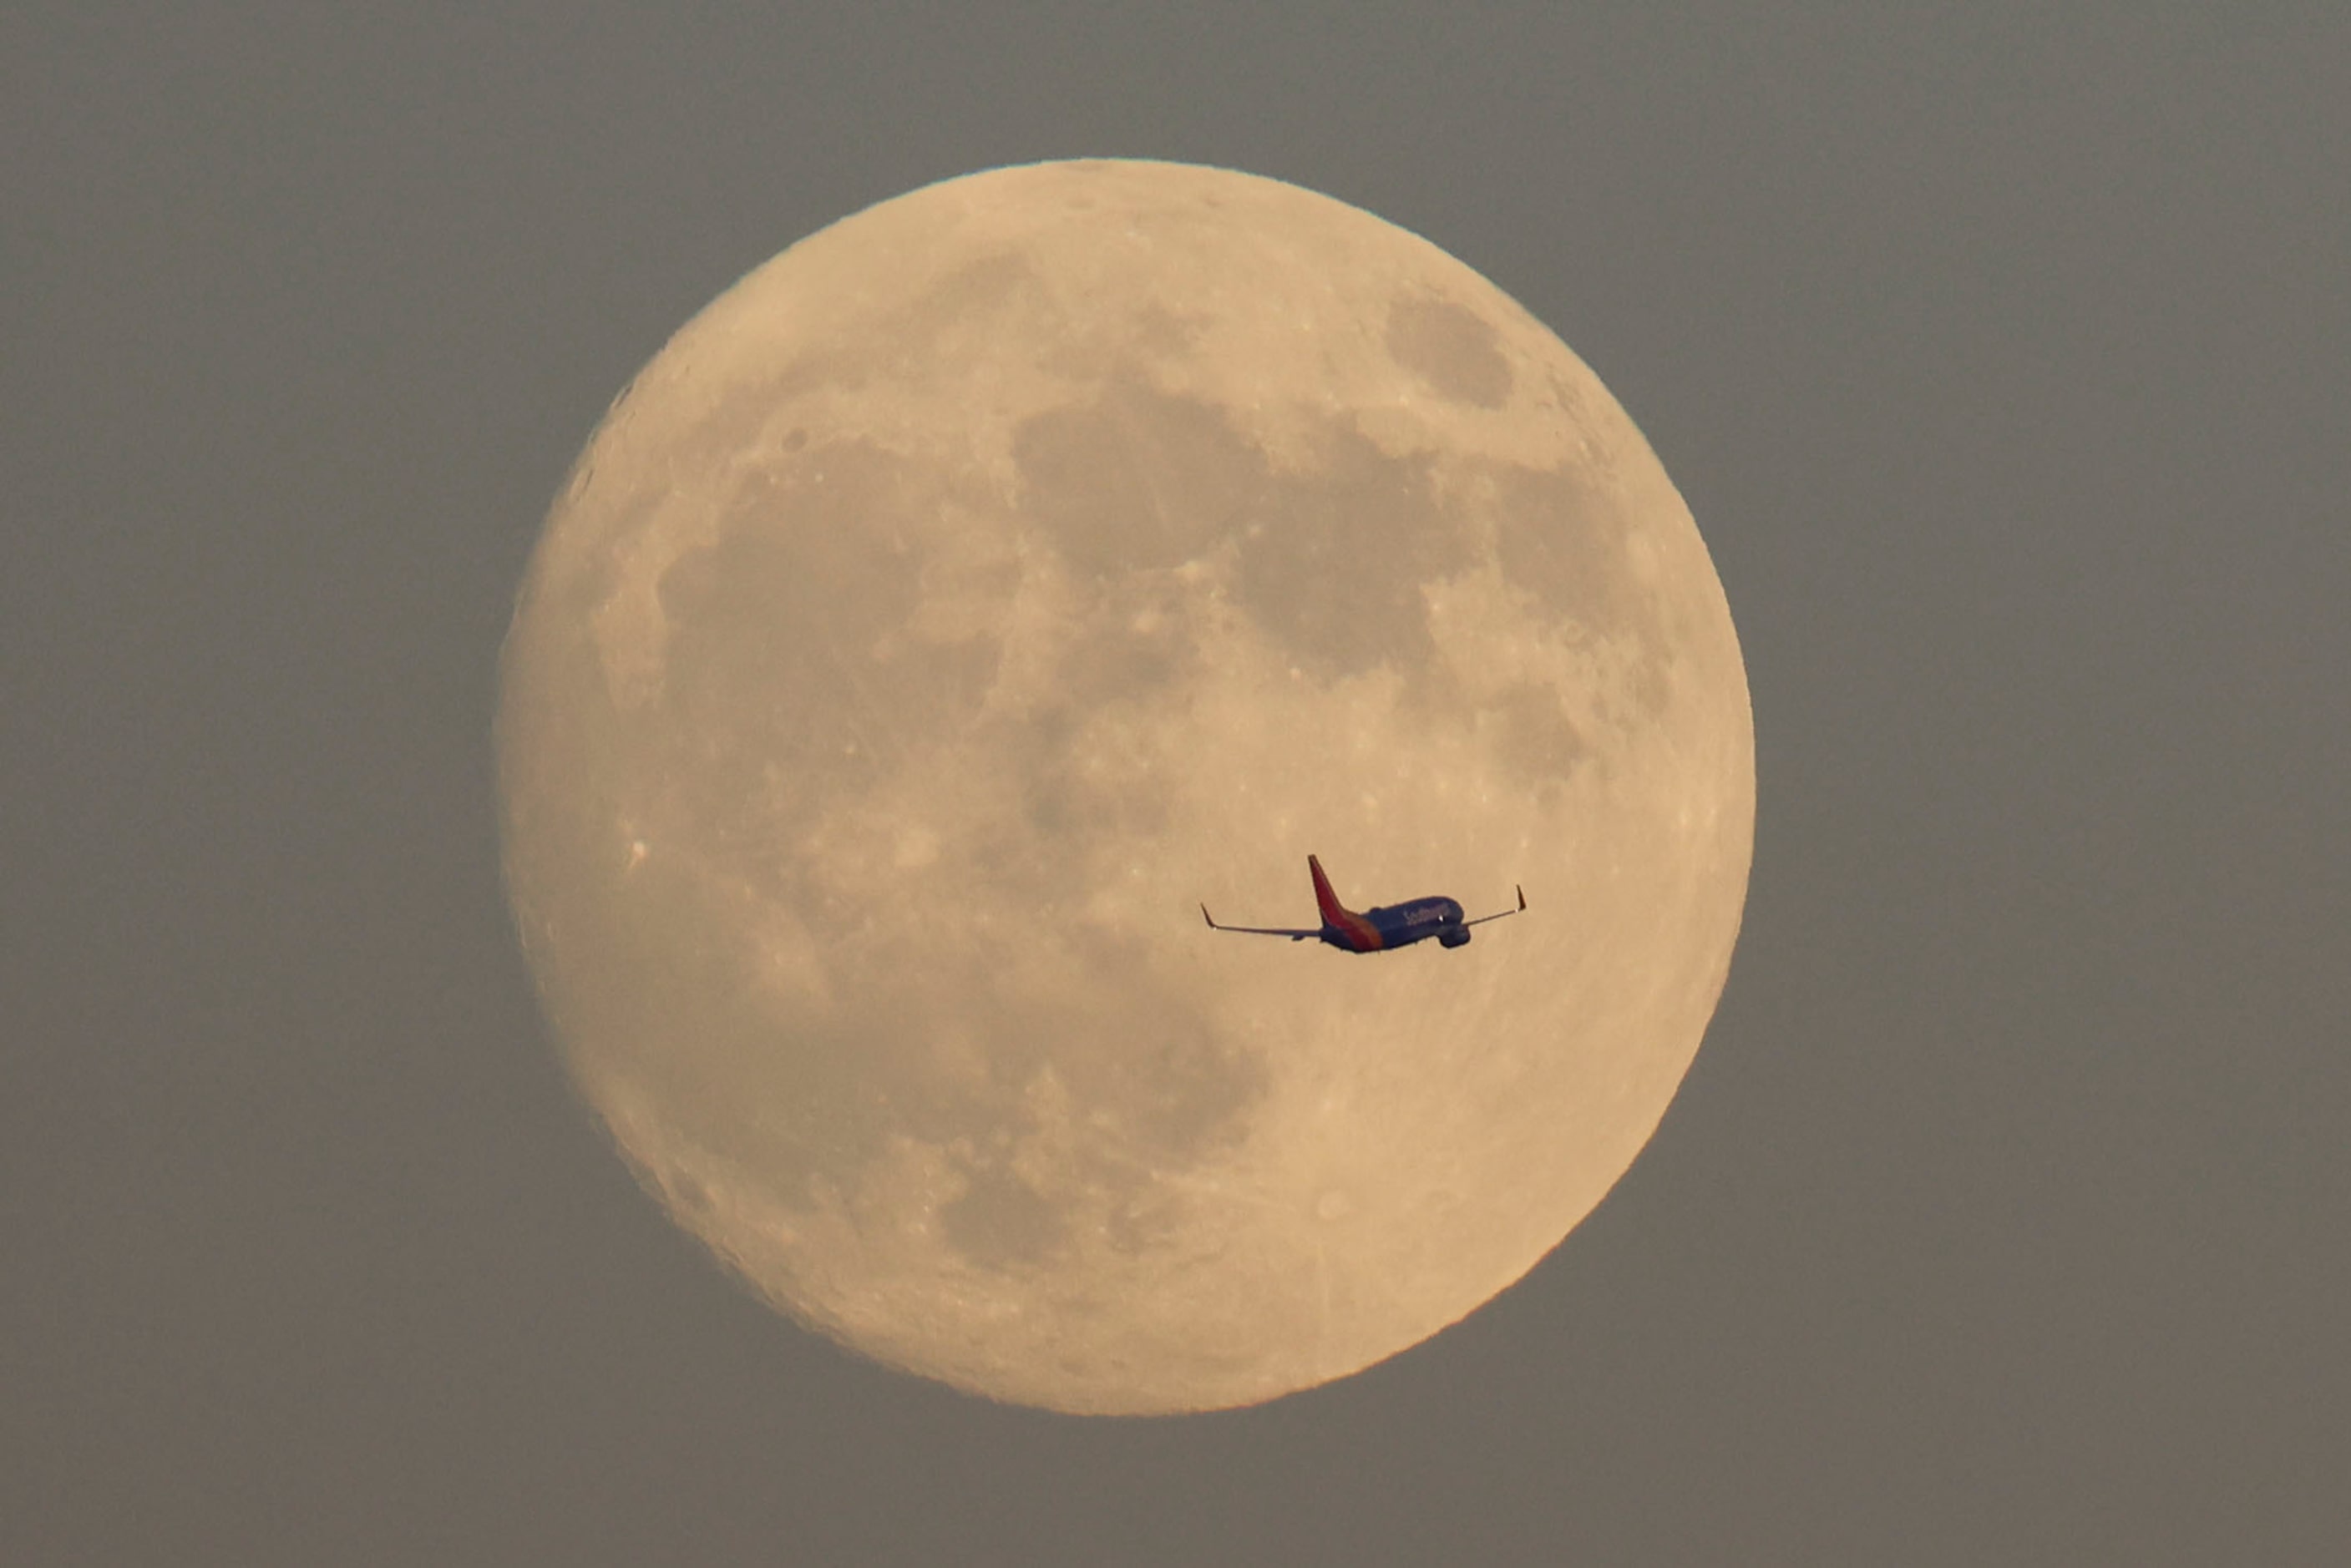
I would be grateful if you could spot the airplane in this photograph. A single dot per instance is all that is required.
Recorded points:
(1374, 931)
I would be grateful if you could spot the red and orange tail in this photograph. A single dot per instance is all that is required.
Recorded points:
(1335, 913)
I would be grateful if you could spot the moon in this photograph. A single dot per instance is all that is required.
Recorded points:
(979, 586)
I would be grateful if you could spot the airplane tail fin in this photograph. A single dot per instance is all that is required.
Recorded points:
(1324, 898)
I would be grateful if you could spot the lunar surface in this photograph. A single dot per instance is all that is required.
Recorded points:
(976, 587)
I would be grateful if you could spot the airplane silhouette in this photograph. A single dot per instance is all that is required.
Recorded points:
(1374, 931)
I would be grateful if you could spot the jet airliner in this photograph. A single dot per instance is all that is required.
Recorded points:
(1374, 931)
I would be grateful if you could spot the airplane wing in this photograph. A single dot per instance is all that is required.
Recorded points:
(1295, 936)
(1483, 918)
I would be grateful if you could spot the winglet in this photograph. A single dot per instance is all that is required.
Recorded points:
(1212, 919)
(1499, 914)
(1522, 899)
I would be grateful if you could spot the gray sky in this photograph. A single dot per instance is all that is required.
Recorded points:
(2004, 358)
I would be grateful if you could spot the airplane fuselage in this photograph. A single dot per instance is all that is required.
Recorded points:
(1396, 926)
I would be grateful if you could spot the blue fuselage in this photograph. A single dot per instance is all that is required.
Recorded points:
(1397, 925)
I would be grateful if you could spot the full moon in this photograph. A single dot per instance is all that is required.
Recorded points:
(975, 589)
